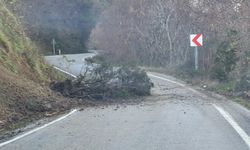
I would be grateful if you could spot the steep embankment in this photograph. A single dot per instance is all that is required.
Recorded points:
(23, 75)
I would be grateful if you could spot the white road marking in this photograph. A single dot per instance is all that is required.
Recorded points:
(46, 125)
(180, 84)
(65, 72)
(234, 124)
(37, 129)
(225, 114)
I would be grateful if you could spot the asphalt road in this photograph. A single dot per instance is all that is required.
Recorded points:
(74, 64)
(175, 117)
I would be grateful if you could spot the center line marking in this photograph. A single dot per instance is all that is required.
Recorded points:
(225, 114)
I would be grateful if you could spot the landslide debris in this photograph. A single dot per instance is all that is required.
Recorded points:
(103, 81)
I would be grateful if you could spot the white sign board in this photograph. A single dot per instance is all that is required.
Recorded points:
(196, 40)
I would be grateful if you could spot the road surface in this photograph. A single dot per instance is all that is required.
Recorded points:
(74, 64)
(175, 117)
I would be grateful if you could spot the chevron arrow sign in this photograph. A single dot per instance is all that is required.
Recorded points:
(196, 40)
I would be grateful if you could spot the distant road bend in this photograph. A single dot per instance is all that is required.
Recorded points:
(176, 117)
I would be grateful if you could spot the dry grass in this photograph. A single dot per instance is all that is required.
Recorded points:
(22, 99)
(23, 76)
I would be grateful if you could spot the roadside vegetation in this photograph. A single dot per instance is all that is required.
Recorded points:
(24, 77)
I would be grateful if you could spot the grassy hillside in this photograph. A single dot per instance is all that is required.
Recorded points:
(17, 53)
(24, 77)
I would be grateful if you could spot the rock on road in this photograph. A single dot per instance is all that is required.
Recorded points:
(175, 117)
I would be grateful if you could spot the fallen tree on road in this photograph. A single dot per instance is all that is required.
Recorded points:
(104, 81)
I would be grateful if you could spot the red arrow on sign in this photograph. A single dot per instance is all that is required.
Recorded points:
(195, 40)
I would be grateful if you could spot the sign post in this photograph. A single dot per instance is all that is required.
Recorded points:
(54, 46)
(196, 58)
(196, 40)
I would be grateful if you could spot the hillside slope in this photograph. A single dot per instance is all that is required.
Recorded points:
(24, 77)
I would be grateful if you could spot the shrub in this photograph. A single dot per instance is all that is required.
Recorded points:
(226, 58)
(244, 83)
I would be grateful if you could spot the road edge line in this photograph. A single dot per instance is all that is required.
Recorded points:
(65, 72)
(37, 129)
(234, 124)
(180, 84)
(224, 114)
(165, 79)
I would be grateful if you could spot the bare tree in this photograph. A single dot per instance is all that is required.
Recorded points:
(156, 33)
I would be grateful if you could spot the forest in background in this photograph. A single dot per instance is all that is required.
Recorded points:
(156, 33)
